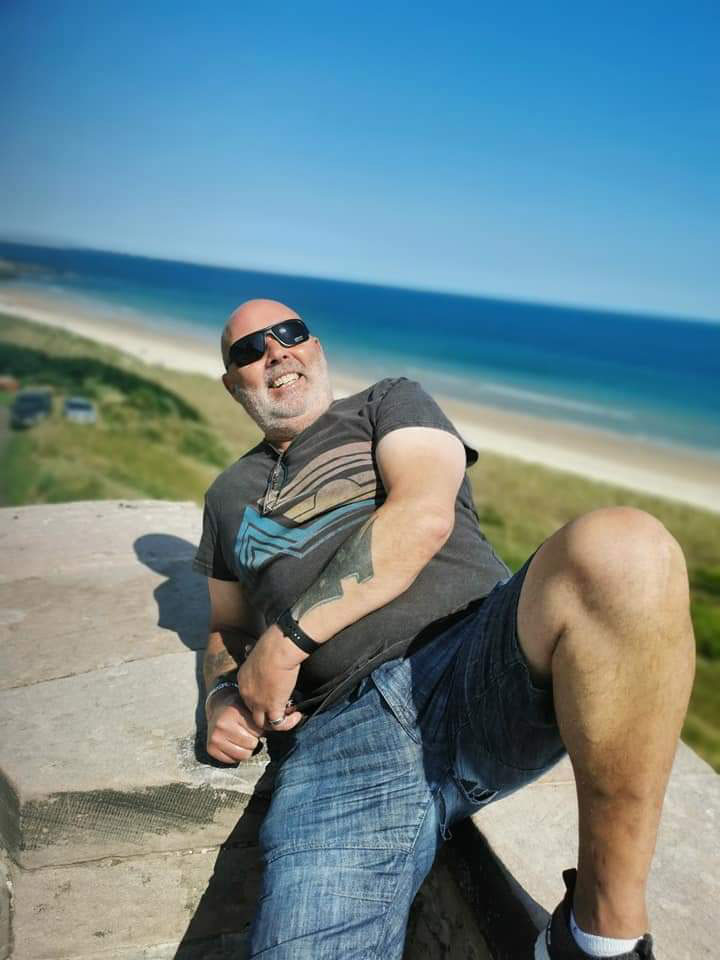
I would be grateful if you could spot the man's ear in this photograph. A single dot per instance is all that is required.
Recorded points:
(228, 386)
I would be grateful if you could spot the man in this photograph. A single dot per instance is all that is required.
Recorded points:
(358, 612)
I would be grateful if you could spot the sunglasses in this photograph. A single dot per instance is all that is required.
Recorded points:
(248, 349)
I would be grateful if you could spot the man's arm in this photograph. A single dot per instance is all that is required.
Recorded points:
(217, 661)
(234, 627)
(421, 469)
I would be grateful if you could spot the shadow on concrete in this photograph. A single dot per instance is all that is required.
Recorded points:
(507, 916)
(220, 924)
(223, 915)
(183, 605)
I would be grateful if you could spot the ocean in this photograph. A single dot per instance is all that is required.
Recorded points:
(654, 378)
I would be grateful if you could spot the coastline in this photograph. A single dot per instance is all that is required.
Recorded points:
(672, 472)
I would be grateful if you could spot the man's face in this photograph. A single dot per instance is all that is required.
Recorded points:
(288, 387)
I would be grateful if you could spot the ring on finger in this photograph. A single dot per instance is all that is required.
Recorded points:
(274, 723)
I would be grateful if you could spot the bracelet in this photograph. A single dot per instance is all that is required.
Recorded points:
(220, 686)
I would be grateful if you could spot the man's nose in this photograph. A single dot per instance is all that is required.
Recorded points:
(274, 351)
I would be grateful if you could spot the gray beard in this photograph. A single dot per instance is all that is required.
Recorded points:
(273, 416)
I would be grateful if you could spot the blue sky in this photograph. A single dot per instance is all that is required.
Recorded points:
(536, 151)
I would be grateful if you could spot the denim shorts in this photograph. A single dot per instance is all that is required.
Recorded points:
(371, 787)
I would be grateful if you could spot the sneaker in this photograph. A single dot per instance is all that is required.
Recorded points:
(556, 942)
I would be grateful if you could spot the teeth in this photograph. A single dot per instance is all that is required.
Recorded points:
(286, 378)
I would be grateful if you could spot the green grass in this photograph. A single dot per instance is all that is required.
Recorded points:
(166, 435)
(156, 435)
(702, 725)
(520, 505)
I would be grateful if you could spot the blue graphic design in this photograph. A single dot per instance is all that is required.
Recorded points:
(260, 539)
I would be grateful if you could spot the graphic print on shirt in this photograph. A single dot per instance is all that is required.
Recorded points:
(328, 495)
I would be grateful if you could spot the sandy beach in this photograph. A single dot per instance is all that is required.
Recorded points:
(672, 472)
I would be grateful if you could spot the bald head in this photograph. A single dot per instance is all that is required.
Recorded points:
(249, 316)
(287, 387)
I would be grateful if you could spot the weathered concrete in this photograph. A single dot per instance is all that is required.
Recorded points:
(122, 843)
(83, 908)
(103, 765)
(125, 567)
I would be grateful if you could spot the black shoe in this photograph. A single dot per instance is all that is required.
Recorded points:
(556, 942)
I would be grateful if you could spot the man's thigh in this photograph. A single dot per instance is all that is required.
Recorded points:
(350, 834)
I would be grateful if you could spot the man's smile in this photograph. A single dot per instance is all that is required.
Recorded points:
(284, 380)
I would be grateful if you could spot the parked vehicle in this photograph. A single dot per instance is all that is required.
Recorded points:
(30, 406)
(80, 410)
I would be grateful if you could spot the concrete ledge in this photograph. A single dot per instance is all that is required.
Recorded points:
(103, 906)
(91, 585)
(119, 842)
(103, 765)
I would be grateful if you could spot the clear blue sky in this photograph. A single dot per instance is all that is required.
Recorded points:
(563, 152)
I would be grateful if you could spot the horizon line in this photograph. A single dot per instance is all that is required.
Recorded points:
(493, 297)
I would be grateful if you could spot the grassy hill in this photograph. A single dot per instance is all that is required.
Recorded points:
(166, 435)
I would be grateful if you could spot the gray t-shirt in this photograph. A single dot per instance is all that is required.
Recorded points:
(273, 521)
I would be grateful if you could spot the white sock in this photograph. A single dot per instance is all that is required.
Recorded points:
(600, 946)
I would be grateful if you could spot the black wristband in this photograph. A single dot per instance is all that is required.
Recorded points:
(293, 631)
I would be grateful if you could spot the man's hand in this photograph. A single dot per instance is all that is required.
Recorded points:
(267, 679)
(232, 733)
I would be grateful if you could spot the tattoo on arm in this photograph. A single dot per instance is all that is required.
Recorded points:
(216, 663)
(353, 559)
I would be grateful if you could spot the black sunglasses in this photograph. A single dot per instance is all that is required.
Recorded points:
(248, 349)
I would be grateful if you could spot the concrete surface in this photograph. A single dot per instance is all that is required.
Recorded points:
(103, 765)
(88, 585)
(52, 918)
(120, 842)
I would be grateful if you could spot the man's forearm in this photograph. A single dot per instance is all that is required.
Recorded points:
(375, 565)
(219, 659)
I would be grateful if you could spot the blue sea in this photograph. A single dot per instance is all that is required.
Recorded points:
(656, 379)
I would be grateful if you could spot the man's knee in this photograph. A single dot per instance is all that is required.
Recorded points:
(615, 565)
(621, 561)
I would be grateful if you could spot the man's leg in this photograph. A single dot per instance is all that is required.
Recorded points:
(351, 832)
(604, 610)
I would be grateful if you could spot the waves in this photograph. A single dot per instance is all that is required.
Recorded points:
(530, 397)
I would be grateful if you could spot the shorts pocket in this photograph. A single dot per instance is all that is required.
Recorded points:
(406, 718)
(508, 741)
(517, 721)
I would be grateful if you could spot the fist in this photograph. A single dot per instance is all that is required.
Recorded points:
(232, 733)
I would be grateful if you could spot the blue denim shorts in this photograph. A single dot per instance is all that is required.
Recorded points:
(371, 786)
